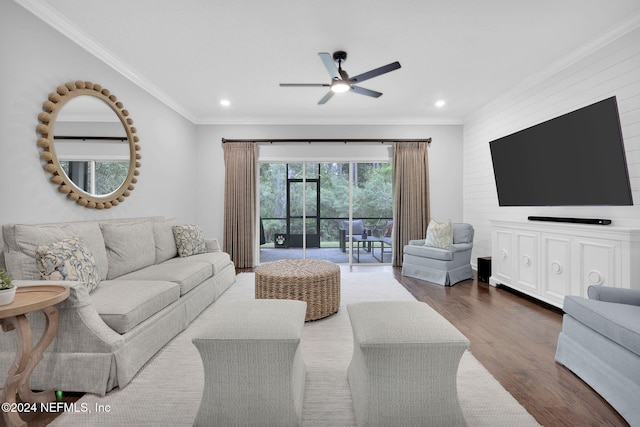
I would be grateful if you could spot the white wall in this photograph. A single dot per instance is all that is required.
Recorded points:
(445, 159)
(612, 69)
(35, 60)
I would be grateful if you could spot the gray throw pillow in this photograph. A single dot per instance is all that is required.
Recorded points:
(189, 240)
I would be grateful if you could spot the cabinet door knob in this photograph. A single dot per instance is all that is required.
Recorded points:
(556, 267)
(526, 260)
(595, 277)
(504, 254)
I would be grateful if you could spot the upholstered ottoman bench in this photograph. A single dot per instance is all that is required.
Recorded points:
(254, 373)
(404, 366)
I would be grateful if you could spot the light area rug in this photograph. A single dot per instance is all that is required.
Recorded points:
(168, 390)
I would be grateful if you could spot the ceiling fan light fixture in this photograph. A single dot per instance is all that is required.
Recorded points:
(340, 81)
(340, 86)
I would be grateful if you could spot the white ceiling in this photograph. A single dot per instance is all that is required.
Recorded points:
(193, 53)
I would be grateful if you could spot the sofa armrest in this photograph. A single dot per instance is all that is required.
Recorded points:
(78, 294)
(212, 245)
(615, 295)
(80, 329)
(417, 242)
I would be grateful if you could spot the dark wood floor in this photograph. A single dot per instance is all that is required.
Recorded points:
(515, 339)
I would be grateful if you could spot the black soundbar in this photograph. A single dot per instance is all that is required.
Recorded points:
(597, 221)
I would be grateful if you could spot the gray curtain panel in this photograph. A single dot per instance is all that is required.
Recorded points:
(410, 195)
(240, 159)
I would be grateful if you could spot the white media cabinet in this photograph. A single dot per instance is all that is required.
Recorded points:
(548, 260)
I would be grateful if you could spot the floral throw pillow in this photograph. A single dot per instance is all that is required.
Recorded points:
(68, 259)
(189, 240)
(439, 235)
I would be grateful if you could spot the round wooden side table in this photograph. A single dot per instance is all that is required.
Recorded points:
(316, 282)
(13, 317)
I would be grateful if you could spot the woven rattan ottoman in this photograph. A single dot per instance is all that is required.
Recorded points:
(313, 281)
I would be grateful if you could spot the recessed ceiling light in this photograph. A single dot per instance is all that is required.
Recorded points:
(440, 103)
(225, 102)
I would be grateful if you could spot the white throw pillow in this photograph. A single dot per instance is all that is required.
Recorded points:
(439, 235)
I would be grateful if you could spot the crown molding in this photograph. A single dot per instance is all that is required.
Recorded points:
(629, 24)
(61, 24)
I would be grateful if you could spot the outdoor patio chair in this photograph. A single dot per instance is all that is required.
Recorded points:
(357, 229)
(384, 234)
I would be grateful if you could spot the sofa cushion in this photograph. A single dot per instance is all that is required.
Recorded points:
(618, 322)
(187, 274)
(165, 241)
(439, 235)
(143, 300)
(130, 246)
(218, 260)
(68, 259)
(429, 252)
(189, 240)
(23, 239)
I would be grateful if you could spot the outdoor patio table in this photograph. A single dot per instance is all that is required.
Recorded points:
(369, 245)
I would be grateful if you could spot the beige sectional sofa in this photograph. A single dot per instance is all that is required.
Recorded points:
(146, 295)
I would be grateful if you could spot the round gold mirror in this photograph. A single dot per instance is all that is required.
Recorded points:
(93, 154)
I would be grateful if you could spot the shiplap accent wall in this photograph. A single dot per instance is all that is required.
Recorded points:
(612, 69)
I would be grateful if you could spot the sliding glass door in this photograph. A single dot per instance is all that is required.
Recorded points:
(306, 210)
(372, 212)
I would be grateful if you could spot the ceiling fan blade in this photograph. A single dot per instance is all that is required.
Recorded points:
(374, 73)
(326, 98)
(304, 85)
(327, 60)
(367, 92)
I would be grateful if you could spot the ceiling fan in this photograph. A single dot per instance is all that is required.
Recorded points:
(340, 80)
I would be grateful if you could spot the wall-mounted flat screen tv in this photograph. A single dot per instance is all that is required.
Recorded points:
(576, 159)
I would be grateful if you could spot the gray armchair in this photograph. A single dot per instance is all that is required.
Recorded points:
(445, 267)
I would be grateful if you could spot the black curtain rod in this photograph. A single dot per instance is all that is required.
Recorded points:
(104, 138)
(382, 141)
